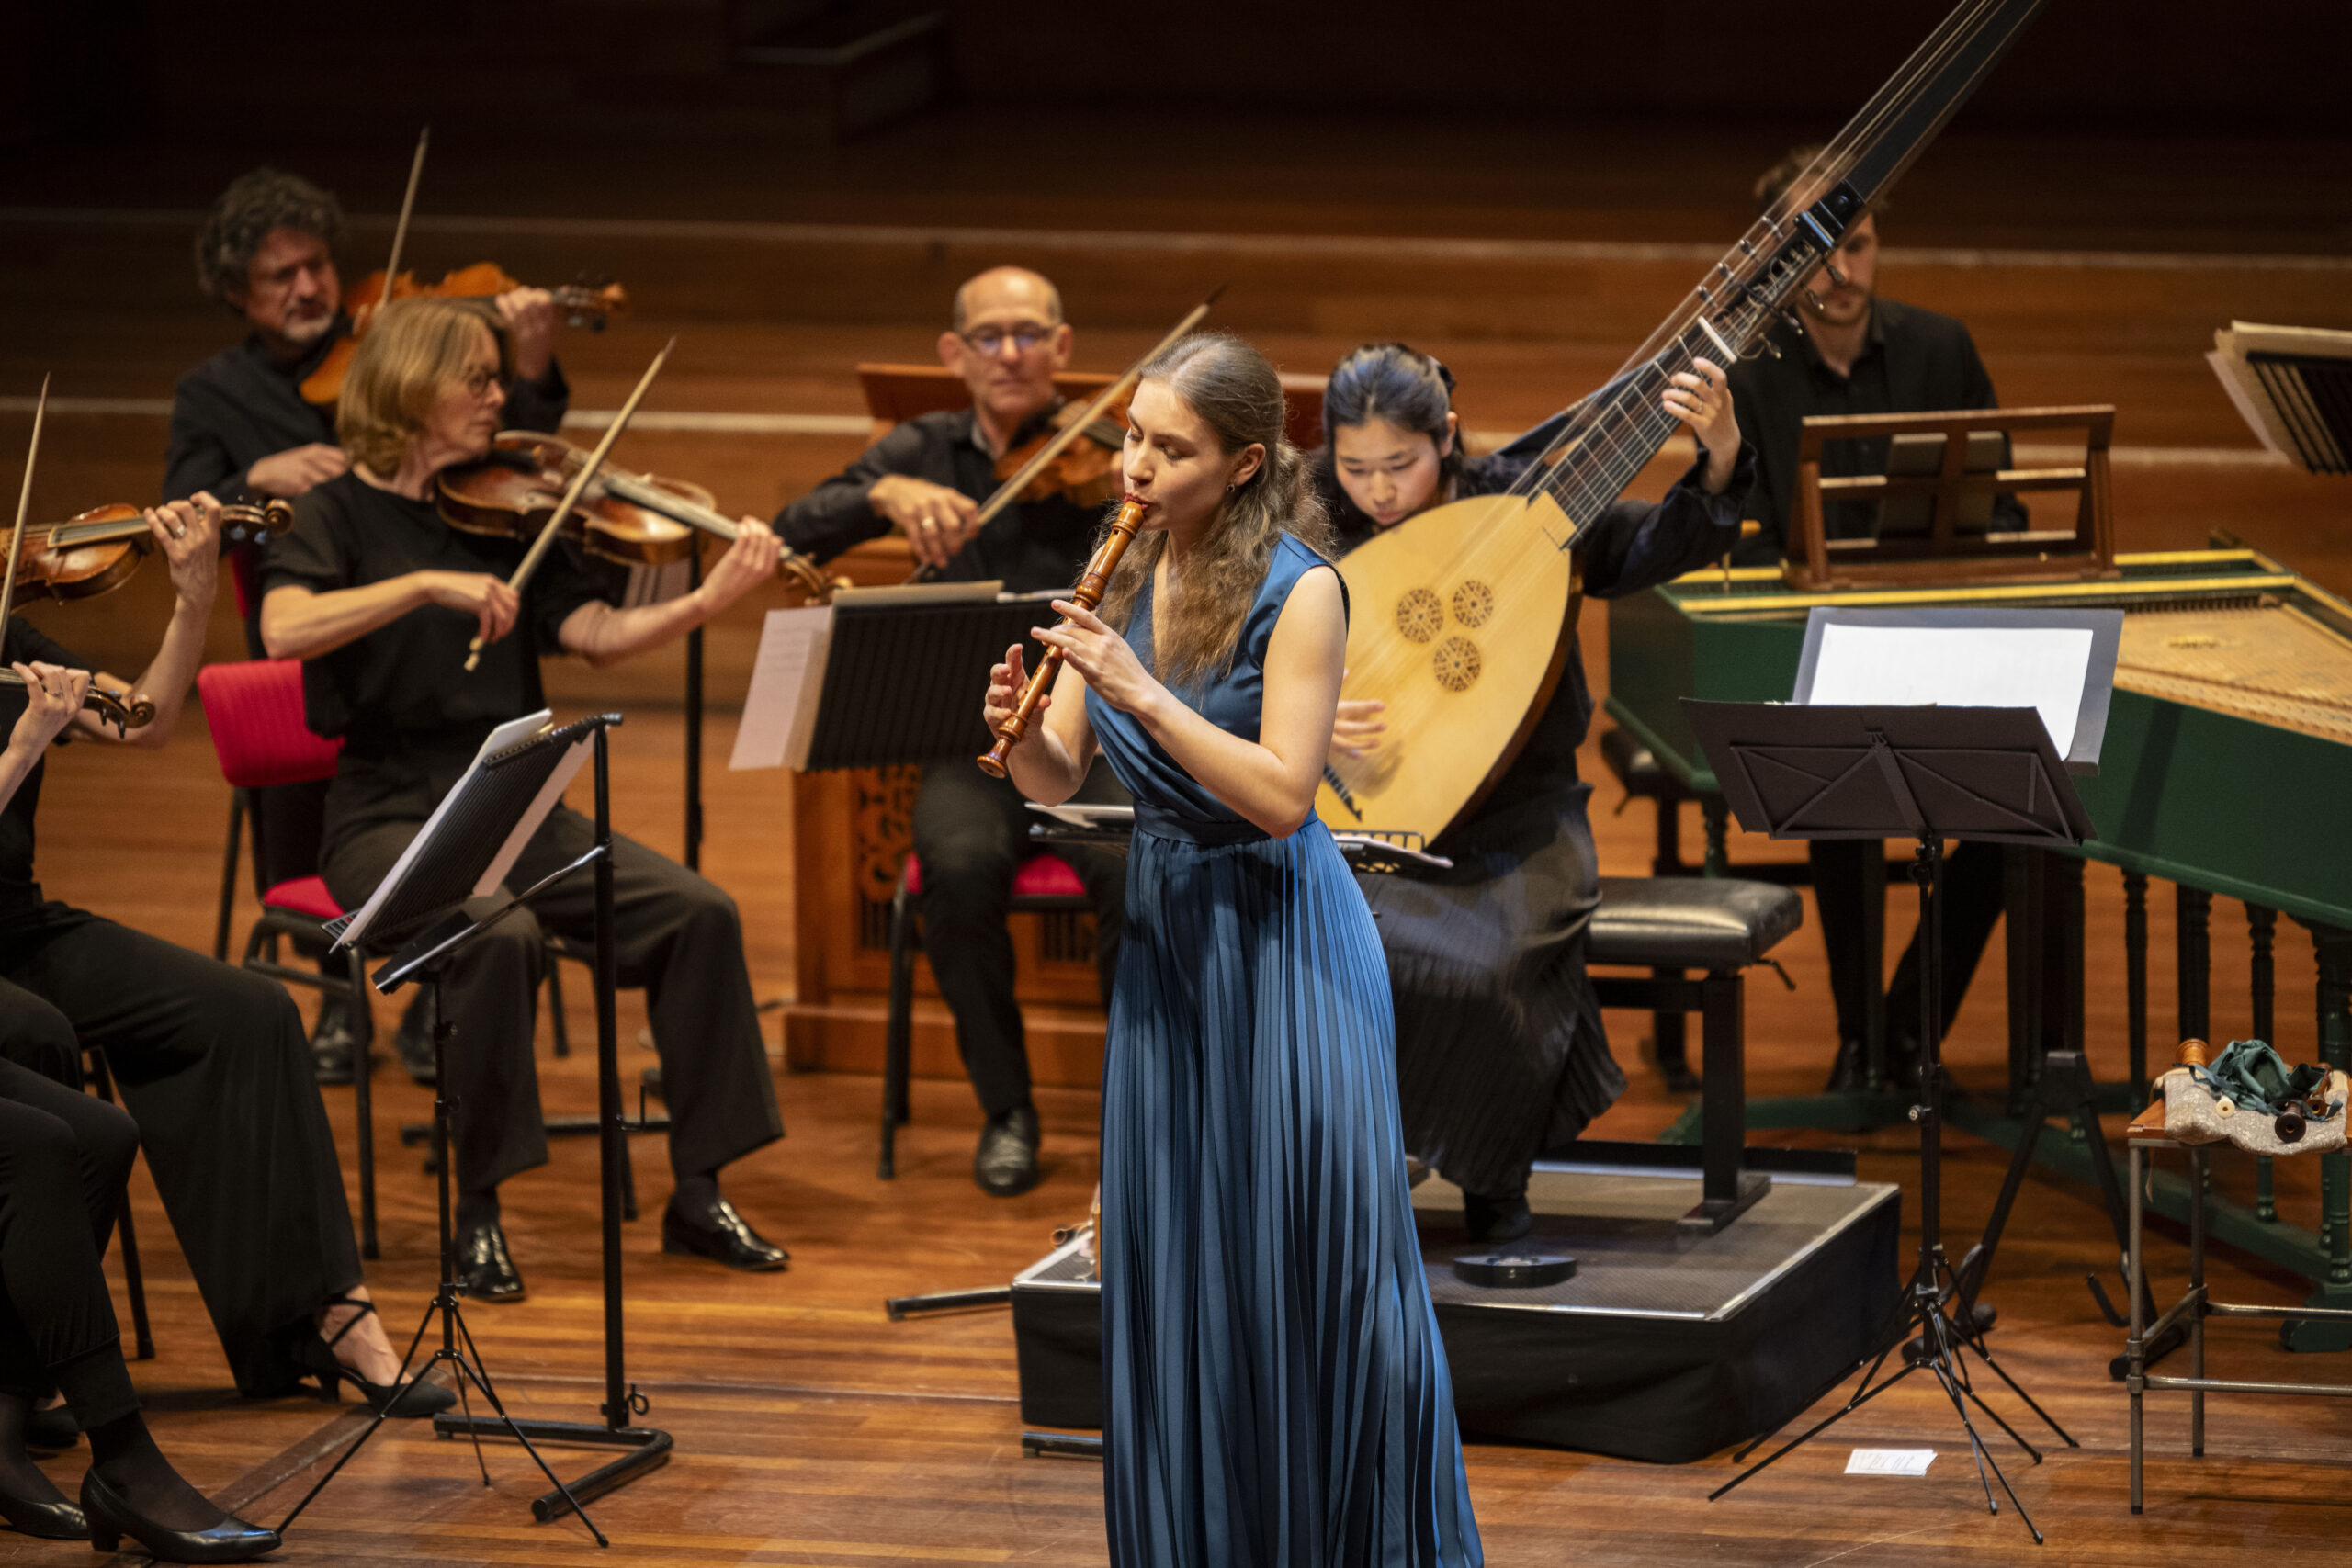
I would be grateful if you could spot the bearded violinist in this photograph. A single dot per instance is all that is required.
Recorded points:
(927, 478)
(238, 421)
(380, 598)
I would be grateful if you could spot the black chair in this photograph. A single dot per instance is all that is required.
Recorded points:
(1669, 926)
(1043, 884)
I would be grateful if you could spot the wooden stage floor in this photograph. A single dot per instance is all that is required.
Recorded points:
(810, 1429)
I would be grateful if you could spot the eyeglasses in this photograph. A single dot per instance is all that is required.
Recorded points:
(1024, 336)
(477, 383)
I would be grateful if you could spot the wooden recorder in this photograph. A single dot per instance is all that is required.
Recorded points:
(1087, 594)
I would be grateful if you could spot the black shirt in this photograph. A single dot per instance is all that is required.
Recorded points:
(22, 644)
(1632, 545)
(242, 405)
(402, 691)
(1913, 361)
(1030, 544)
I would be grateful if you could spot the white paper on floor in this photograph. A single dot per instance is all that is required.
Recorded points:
(1889, 1462)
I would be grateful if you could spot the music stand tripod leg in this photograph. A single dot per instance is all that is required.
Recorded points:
(445, 1305)
(1938, 1340)
(647, 1448)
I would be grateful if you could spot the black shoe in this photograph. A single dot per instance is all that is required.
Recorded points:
(485, 1272)
(111, 1518)
(412, 1398)
(52, 1428)
(1006, 1164)
(413, 1042)
(1846, 1073)
(335, 1045)
(59, 1520)
(720, 1234)
(1503, 1218)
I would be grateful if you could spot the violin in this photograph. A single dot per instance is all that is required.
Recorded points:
(1086, 471)
(97, 552)
(635, 519)
(584, 303)
(125, 712)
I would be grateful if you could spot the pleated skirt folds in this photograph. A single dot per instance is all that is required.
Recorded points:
(1275, 1392)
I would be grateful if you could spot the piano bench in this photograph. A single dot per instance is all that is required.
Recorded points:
(1637, 769)
(1672, 924)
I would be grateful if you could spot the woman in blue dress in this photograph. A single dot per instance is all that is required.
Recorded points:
(1274, 1390)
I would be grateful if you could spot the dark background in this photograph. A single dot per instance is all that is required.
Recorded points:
(116, 68)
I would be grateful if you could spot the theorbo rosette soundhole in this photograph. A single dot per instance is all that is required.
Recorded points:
(1423, 617)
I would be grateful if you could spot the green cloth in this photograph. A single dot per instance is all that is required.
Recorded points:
(2259, 1080)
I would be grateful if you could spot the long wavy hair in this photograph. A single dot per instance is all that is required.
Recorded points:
(1238, 394)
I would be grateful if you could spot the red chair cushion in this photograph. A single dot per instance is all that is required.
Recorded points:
(1042, 875)
(304, 896)
(254, 711)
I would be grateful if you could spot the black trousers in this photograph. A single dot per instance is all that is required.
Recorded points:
(1972, 900)
(212, 1066)
(971, 833)
(64, 1157)
(677, 935)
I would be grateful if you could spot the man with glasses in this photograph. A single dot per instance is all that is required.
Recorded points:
(927, 478)
(265, 253)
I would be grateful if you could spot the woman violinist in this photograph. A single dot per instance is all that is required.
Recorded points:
(1499, 1048)
(380, 598)
(1275, 1389)
(211, 1059)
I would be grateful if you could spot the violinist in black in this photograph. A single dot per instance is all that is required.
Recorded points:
(209, 1059)
(1500, 1053)
(266, 252)
(380, 599)
(927, 478)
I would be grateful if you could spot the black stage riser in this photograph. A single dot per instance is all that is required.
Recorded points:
(1625, 1381)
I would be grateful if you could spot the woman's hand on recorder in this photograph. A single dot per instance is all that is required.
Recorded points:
(1006, 682)
(1102, 656)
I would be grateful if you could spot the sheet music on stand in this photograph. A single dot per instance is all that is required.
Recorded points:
(2293, 385)
(474, 834)
(881, 676)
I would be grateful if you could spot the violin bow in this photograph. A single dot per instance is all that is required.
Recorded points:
(1075, 427)
(24, 505)
(580, 484)
(400, 230)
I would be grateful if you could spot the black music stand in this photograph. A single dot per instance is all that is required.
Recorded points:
(1926, 773)
(496, 806)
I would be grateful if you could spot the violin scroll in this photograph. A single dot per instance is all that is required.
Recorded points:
(125, 712)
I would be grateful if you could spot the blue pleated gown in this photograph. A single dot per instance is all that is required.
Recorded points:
(1275, 1393)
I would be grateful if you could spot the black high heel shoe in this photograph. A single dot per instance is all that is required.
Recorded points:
(111, 1518)
(413, 1398)
(59, 1520)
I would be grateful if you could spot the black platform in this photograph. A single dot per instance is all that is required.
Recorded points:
(1664, 1346)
